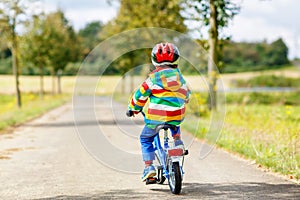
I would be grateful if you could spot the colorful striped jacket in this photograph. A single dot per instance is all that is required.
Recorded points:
(167, 91)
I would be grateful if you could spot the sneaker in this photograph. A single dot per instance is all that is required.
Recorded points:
(149, 172)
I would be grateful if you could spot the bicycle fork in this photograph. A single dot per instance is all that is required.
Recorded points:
(162, 154)
(164, 157)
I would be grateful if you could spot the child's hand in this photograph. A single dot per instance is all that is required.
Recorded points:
(129, 113)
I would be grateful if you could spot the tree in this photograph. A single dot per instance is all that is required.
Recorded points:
(10, 13)
(63, 44)
(89, 36)
(144, 13)
(278, 53)
(216, 15)
(34, 46)
(5, 52)
(246, 56)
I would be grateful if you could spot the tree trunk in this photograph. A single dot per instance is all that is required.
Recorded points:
(131, 75)
(41, 82)
(123, 84)
(58, 84)
(213, 56)
(59, 73)
(53, 82)
(16, 63)
(131, 81)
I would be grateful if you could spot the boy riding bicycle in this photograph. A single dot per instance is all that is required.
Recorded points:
(167, 91)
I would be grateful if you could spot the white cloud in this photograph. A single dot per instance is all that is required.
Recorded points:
(269, 20)
(80, 12)
(258, 19)
(80, 17)
(255, 29)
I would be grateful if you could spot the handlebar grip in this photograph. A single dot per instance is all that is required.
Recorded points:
(129, 113)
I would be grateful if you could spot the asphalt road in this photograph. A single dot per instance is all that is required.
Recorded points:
(99, 158)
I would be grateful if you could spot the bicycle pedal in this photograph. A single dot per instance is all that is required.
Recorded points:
(186, 152)
(151, 180)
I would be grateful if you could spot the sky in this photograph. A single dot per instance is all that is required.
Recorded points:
(258, 19)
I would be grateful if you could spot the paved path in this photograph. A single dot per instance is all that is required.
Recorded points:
(46, 159)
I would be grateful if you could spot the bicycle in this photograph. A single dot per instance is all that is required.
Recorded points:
(170, 160)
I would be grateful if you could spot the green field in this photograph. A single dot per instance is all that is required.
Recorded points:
(112, 84)
(103, 84)
(267, 133)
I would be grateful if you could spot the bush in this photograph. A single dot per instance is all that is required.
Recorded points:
(289, 98)
(6, 66)
(198, 105)
(269, 81)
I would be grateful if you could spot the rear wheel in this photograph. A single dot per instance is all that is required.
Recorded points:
(175, 180)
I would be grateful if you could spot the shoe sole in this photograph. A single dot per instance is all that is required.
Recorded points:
(149, 175)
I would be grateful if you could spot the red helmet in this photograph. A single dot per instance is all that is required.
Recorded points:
(165, 54)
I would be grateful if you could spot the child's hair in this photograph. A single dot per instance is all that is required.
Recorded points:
(171, 66)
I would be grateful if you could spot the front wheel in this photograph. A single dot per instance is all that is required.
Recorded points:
(175, 178)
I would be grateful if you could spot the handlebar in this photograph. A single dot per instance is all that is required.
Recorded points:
(129, 113)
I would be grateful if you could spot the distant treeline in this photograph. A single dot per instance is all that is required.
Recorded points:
(243, 56)
(235, 56)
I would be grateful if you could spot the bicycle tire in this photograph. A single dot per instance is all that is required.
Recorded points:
(175, 180)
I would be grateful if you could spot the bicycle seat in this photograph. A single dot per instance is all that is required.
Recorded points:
(165, 127)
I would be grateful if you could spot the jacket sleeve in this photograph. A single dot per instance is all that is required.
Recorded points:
(140, 97)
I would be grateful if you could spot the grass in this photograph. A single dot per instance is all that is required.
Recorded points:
(112, 84)
(103, 85)
(32, 107)
(229, 79)
(269, 81)
(268, 134)
(257, 68)
(266, 98)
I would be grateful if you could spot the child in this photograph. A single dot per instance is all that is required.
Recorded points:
(168, 93)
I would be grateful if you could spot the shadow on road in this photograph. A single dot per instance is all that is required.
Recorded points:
(85, 123)
(249, 190)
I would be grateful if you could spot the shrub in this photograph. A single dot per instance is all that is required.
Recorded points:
(247, 98)
(269, 81)
(198, 105)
